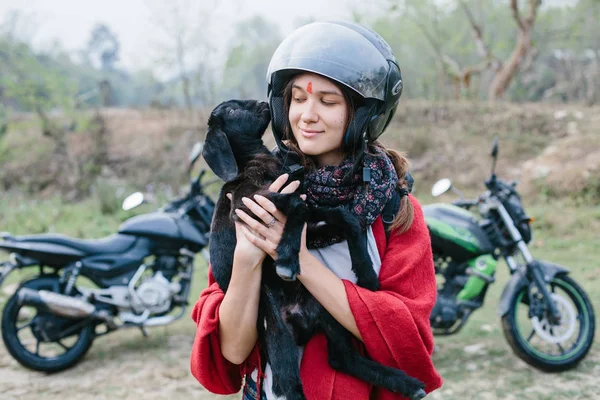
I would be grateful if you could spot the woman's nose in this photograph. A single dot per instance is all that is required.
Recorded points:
(309, 114)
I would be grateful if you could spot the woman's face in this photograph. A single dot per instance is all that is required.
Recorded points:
(318, 113)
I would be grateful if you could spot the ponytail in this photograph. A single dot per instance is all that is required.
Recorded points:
(405, 216)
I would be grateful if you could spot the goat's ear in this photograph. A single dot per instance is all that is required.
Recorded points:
(219, 156)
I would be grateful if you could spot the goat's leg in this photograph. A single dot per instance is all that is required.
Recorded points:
(345, 222)
(282, 352)
(344, 357)
(287, 264)
(222, 241)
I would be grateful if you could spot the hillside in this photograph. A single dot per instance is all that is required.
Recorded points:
(554, 150)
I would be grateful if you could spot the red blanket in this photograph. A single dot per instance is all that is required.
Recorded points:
(393, 322)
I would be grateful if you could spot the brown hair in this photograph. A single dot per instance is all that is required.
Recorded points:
(405, 215)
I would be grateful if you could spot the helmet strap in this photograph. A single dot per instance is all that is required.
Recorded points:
(366, 169)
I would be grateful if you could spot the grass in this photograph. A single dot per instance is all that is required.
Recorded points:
(564, 232)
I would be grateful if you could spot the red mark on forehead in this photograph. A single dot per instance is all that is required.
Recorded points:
(309, 87)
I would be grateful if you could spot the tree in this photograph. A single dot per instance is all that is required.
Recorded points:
(184, 26)
(522, 49)
(254, 42)
(470, 41)
(103, 47)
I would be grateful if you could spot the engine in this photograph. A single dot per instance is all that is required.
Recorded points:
(445, 313)
(154, 294)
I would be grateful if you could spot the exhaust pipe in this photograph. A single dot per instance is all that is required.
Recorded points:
(57, 304)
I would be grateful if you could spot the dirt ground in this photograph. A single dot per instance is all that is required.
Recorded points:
(126, 365)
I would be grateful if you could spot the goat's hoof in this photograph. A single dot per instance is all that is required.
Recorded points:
(285, 273)
(418, 395)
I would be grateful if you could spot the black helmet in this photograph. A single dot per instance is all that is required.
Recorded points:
(350, 54)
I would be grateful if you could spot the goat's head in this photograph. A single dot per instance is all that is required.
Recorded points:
(235, 130)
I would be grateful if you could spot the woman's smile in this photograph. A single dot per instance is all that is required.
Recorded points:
(310, 133)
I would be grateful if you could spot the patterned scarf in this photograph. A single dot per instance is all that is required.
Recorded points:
(333, 186)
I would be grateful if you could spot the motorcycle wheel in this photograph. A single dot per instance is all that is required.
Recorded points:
(26, 341)
(542, 345)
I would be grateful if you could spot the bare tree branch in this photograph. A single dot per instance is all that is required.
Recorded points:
(483, 50)
(430, 38)
(534, 5)
(514, 7)
(476, 29)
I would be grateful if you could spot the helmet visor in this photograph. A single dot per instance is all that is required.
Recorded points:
(336, 52)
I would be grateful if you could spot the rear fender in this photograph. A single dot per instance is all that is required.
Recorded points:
(520, 280)
(16, 261)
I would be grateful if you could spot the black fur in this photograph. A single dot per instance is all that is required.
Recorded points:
(236, 153)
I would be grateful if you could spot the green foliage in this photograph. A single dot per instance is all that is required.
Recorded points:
(32, 80)
(244, 74)
(109, 197)
(52, 81)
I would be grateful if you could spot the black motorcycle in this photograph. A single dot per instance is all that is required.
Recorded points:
(547, 317)
(142, 277)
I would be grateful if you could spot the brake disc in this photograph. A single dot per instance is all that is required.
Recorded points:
(561, 332)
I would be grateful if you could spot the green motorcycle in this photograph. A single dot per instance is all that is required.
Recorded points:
(547, 318)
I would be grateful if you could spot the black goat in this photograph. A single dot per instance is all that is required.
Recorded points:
(288, 314)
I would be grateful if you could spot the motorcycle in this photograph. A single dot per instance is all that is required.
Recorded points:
(142, 277)
(547, 318)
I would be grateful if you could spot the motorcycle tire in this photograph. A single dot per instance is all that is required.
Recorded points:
(35, 361)
(547, 336)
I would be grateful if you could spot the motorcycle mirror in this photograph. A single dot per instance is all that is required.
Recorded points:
(195, 155)
(494, 155)
(441, 187)
(133, 200)
(495, 148)
(196, 152)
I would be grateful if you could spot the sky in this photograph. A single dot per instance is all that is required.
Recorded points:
(71, 21)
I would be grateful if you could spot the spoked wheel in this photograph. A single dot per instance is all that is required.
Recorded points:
(551, 347)
(42, 341)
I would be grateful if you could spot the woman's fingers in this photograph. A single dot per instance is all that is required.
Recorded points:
(260, 212)
(256, 226)
(263, 244)
(291, 188)
(269, 207)
(278, 183)
(250, 231)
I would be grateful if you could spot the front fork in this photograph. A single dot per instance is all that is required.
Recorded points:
(537, 276)
(536, 273)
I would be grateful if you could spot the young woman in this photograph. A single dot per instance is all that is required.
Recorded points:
(333, 88)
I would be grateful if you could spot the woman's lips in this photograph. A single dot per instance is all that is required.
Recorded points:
(309, 133)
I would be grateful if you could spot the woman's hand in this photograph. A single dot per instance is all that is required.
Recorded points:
(244, 249)
(267, 235)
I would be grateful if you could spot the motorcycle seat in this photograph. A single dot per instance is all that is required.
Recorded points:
(116, 243)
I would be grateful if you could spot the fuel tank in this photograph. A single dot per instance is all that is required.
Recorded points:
(161, 225)
(455, 232)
